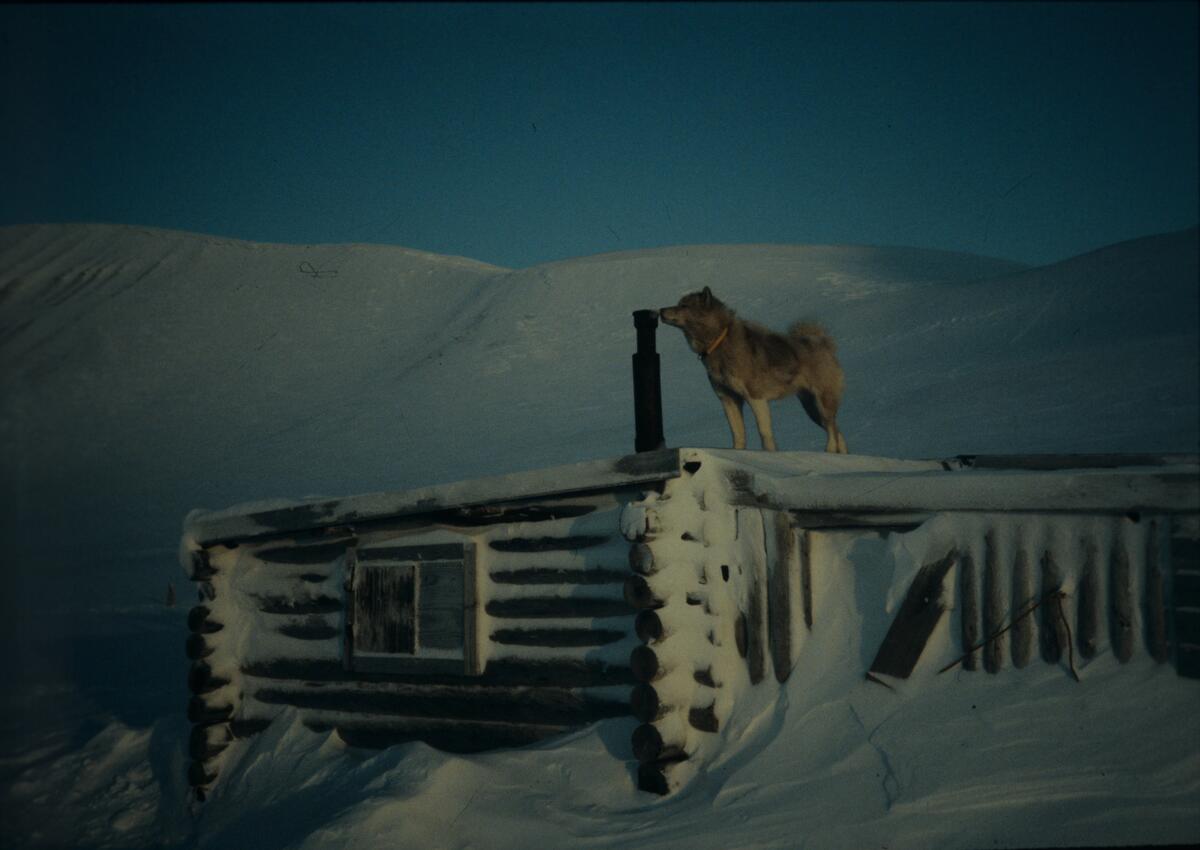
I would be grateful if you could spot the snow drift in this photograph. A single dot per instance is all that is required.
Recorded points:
(146, 372)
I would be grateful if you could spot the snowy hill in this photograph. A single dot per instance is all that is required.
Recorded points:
(148, 372)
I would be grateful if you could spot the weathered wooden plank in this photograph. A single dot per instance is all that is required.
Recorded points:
(1155, 598)
(995, 606)
(1023, 597)
(1049, 462)
(779, 597)
(472, 663)
(418, 552)
(756, 638)
(298, 605)
(1120, 596)
(919, 614)
(971, 613)
(440, 610)
(310, 628)
(806, 590)
(499, 672)
(1115, 492)
(1053, 631)
(323, 552)
(885, 521)
(556, 576)
(557, 607)
(1088, 622)
(384, 608)
(481, 515)
(556, 637)
(549, 544)
(348, 623)
(546, 706)
(405, 665)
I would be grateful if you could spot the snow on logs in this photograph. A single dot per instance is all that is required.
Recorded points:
(666, 570)
(1068, 589)
(718, 594)
(545, 612)
(210, 708)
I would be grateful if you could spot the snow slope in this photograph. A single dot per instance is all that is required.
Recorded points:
(146, 372)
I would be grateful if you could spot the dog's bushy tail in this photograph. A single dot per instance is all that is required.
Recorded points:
(811, 335)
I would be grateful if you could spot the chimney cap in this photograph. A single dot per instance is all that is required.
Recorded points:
(645, 318)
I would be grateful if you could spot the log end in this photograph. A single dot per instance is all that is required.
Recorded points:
(644, 663)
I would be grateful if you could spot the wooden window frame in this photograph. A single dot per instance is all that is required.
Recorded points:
(416, 555)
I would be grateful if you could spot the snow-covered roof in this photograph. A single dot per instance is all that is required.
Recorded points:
(262, 519)
(798, 481)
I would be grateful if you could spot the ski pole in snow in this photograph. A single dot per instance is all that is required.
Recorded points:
(647, 390)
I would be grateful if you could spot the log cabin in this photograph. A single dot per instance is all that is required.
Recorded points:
(675, 586)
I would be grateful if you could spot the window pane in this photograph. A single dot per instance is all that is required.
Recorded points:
(383, 609)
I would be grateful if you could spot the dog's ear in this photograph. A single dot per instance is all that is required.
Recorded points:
(707, 296)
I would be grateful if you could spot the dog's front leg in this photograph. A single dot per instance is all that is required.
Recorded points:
(762, 416)
(733, 412)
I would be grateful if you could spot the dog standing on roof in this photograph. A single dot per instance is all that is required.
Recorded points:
(747, 362)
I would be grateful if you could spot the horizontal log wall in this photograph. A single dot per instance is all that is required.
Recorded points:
(554, 589)
(555, 635)
(666, 605)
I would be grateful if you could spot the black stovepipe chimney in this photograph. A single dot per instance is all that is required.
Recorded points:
(647, 390)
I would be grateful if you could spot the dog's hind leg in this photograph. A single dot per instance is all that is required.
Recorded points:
(733, 412)
(824, 413)
(762, 416)
(829, 403)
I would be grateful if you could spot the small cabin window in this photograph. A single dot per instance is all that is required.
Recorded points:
(412, 609)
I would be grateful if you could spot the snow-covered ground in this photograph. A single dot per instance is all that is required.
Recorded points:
(147, 372)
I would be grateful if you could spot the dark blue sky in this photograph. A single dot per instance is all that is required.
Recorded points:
(526, 133)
